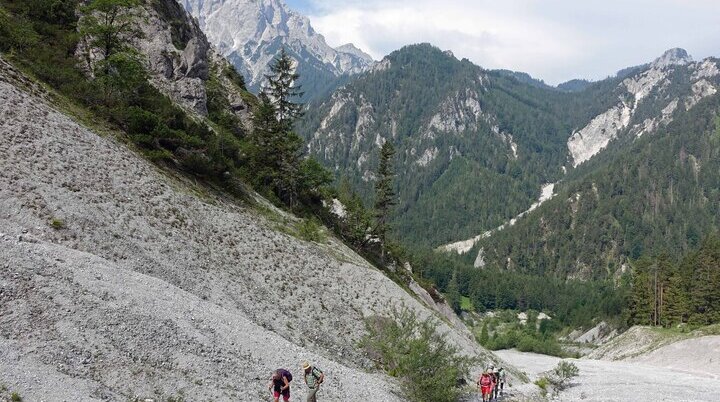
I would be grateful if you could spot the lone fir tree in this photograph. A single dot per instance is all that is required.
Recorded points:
(277, 149)
(384, 194)
(283, 88)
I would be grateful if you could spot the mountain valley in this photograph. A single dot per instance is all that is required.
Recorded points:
(178, 219)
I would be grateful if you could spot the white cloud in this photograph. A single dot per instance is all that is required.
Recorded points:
(553, 39)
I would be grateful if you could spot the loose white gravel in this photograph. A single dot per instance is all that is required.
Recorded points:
(601, 380)
(154, 287)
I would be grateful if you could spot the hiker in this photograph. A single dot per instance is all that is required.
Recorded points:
(313, 378)
(501, 380)
(280, 384)
(496, 381)
(485, 385)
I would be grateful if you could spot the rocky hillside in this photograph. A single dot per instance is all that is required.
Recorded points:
(647, 100)
(121, 280)
(653, 189)
(251, 33)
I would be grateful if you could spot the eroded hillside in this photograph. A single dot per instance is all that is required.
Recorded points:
(120, 280)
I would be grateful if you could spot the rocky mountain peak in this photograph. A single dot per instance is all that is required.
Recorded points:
(673, 57)
(350, 48)
(250, 33)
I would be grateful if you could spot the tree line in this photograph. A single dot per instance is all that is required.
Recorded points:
(668, 292)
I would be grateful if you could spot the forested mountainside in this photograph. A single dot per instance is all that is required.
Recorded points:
(476, 146)
(643, 196)
(251, 33)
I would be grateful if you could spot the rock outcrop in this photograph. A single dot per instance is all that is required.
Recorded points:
(656, 85)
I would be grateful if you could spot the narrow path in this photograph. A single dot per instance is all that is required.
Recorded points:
(601, 380)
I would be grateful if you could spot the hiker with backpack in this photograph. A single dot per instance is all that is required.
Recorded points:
(280, 384)
(485, 385)
(501, 381)
(313, 378)
(496, 381)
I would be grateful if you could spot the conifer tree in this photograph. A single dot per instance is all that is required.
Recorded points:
(277, 148)
(676, 298)
(705, 289)
(642, 300)
(384, 194)
(453, 294)
(282, 89)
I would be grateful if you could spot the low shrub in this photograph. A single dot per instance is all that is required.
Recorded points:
(57, 223)
(311, 230)
(412, 350)
(558, 378)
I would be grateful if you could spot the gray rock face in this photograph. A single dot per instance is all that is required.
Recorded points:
(654, 85)
(250, 33)
(673, 57)
(118, 280)
(179, 61)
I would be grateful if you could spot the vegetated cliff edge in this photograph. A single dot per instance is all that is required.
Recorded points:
(118, 280)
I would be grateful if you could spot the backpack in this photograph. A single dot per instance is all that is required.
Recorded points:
(286, 374)
(316, 372)
(485, 381)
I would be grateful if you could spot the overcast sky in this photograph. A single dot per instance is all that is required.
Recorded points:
(554, 40)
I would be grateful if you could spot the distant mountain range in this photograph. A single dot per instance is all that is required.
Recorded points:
(250, 33)
(476, 146)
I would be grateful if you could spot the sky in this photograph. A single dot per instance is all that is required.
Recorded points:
(553, 40)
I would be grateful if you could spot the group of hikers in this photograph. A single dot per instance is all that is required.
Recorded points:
(281, 378)
(491, 383)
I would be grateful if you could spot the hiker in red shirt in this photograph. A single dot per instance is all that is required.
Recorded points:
(485, 385)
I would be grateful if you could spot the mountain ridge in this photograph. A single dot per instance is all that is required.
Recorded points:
(250, 34)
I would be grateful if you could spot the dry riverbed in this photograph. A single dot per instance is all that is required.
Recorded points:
(601, 380)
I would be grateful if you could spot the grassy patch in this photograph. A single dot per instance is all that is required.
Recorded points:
(311, 230)
(505, 331)
(466, 304)
(57, 223)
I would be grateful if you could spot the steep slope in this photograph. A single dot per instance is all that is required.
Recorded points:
(475, 146)
(654, 189)
(119, 280)
(251, 33)
(645, 100)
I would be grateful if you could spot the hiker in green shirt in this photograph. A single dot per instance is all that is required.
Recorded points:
(313, 378)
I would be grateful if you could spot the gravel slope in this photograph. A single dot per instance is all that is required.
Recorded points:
(154, 287)
(699, 356)
(602, 380)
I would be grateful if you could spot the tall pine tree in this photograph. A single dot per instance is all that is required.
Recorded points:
(282, 89)
(384, 193)
(277, 149)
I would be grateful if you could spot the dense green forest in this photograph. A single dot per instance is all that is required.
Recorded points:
(657, 193)
(573, 303)
(474, 182)
(667, 291)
